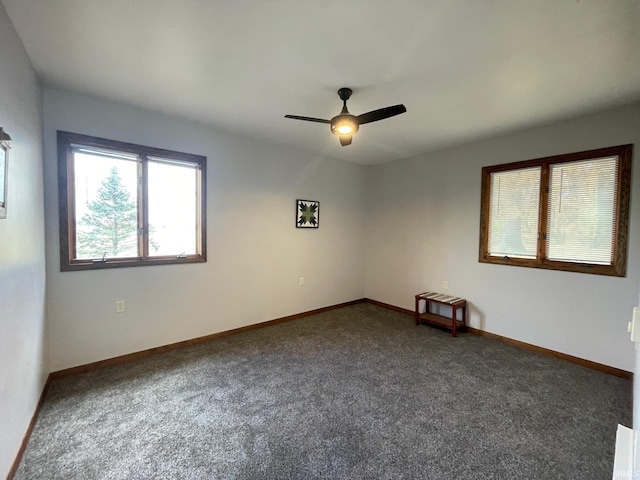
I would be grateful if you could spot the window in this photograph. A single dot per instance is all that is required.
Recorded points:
(568, 212)
(125, 205)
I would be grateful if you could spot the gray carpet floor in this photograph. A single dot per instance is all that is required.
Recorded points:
(354, 393)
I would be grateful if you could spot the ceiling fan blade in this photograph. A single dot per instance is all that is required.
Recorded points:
(381, 114)
(308, 119)
(345, 140)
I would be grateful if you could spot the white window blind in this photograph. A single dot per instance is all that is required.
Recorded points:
(513, 215)
(582, 206)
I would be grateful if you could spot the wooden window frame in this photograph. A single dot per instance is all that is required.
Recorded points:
(66, 182)
(621, 226)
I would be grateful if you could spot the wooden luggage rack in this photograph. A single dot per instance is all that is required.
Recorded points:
(451, 323)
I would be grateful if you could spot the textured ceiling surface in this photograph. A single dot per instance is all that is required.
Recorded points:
(465, 69)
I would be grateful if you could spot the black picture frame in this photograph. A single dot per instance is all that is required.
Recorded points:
(307, 213)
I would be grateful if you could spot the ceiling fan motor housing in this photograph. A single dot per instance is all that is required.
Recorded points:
(345, 123)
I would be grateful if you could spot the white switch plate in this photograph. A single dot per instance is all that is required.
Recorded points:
(120, 306)
(445, 285)
(626, 459)
(302, 281)
(635, 325)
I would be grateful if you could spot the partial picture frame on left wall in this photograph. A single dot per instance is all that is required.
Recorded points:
(4, 171)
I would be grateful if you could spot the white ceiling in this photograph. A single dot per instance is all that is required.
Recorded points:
(465, 69)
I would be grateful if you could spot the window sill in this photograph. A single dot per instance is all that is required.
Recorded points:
(609, 270)
(75, 265)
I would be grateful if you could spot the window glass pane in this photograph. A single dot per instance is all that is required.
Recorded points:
(106, 206)
(581, 211)
(513, 215)
(172, 208)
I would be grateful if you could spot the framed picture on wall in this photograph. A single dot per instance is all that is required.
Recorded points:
(307, 214)
(4, 171)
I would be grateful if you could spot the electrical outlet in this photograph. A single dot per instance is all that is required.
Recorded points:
(120, 306)
(445, 285)
(302, 281)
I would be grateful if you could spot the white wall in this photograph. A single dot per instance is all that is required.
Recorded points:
(255, 253)
(422, 228)
(23, 368)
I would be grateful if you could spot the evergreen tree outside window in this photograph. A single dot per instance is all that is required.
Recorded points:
(128, 205)
(109, 227)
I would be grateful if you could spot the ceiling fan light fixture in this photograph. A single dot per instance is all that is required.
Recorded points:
(344, 125)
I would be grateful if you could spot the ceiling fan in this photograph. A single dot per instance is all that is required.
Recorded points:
(346, 125)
